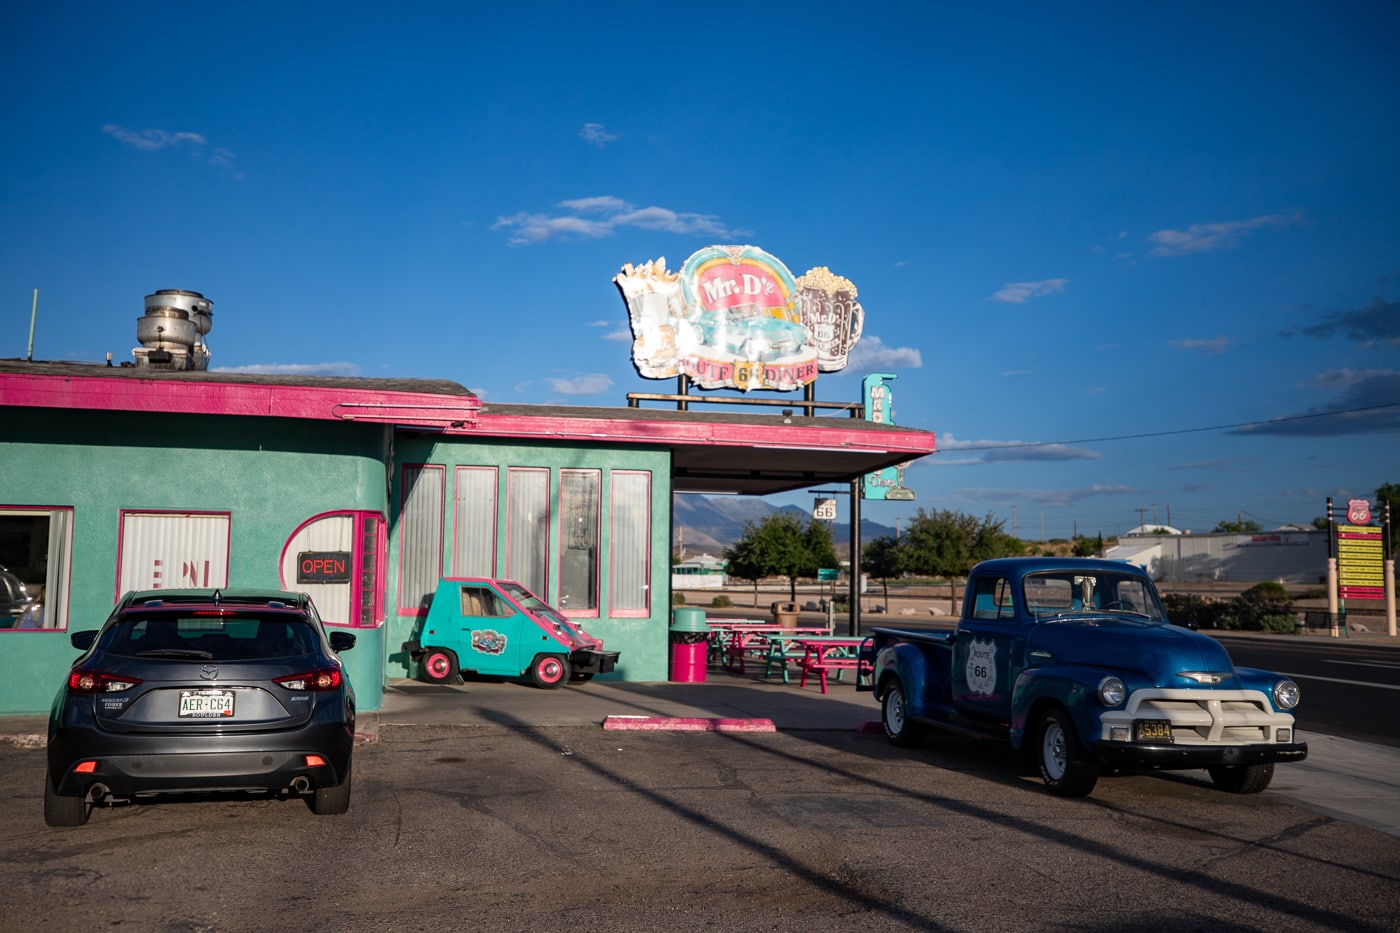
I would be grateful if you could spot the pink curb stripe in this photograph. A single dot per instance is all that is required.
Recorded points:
(687, 724)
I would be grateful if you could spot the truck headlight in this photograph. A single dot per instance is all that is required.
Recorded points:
(1286, 694)
(1112, 692)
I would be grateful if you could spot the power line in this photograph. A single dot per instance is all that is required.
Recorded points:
(1217, 427)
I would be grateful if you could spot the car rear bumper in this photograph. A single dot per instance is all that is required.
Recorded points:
(1130, 755)
(130, 775)
(135, 763)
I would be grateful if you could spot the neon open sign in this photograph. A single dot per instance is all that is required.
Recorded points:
(323, 567)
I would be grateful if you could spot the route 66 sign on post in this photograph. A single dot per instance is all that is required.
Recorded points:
(1358, 511)
(824, 510)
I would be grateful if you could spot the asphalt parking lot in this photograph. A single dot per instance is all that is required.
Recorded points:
(519, 811)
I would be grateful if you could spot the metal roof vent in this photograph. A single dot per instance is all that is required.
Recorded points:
(172, 331)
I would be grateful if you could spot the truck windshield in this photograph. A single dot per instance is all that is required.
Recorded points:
(1061, 593)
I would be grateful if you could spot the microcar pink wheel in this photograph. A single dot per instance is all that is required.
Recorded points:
(439, 666)
(549, 670)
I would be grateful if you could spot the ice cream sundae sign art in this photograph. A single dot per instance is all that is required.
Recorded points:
(734, 317)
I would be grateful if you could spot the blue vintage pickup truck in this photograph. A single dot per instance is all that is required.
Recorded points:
(1074, 661)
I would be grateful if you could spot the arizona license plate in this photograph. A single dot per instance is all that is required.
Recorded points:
(1152, 730)
(205, 704)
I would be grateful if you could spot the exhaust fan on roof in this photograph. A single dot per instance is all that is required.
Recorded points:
(172, 331)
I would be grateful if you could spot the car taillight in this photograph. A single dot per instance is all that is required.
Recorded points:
(83, 680)
(327, 679)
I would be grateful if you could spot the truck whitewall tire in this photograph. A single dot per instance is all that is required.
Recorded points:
(894, 713)
(1063, 767)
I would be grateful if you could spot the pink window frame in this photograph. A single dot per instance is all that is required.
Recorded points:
(644, 612)
(358, 559)
(425, 469)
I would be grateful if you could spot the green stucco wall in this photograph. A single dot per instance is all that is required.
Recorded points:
(643, 642)
(269, 474)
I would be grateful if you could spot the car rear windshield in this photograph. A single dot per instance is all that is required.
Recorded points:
(245, 635)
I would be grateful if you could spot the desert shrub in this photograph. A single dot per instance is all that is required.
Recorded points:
(1264, 607)
(677, 599)
(1267, 590)
(721, 602)
(1191, 610)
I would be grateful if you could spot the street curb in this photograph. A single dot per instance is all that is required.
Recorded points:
(685, 724)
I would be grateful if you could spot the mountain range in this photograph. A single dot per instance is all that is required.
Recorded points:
(709, 524)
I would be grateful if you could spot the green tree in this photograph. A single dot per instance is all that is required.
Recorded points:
(882, 559)
(1238, 527)
(1087, 547)
(744, 560)
(1389, 493)
(781, 544)
(948, 544)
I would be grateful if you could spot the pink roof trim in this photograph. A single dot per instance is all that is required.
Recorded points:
(233, 398)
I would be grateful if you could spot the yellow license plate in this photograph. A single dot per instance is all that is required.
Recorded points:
(1152, 730)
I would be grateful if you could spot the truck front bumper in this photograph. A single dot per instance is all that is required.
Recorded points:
(1135, 755)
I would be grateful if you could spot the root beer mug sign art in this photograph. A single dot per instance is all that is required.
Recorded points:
(734, 317)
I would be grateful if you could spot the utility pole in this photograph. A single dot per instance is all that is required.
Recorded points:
(1141, 521)
(1013, 519)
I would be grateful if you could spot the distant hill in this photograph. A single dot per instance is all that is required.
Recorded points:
(709, 524)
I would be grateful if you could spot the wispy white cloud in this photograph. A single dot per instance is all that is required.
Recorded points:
(1005, 451)
(872, 354)
(1203, 238)
(621, 335)
(1374, 325)
(590, 384)
(1214, 346)
(1367, 401)
(194, 143)
(1020, 292)
(292, 369)
(598, 217)
(1047, 498)
(597, 134)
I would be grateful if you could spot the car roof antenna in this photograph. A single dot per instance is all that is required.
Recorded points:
(218, 595)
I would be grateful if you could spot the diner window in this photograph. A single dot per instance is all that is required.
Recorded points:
(35, 567)
(578, 540)
(173, 550)
(337, 558)
(420, 536)
(629, 564)
(474, 527)
(527, 529)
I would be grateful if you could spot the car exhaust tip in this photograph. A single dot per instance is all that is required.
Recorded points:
(301, 785)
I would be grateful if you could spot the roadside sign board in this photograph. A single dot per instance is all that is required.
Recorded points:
(1360, 562)
(824, 510)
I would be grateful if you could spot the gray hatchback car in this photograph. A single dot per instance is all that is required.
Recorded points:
(203, 691)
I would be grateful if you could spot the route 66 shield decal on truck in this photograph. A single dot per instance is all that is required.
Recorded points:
(982, 668)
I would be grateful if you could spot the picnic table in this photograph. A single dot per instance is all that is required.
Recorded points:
(821, 655)
(737, 641)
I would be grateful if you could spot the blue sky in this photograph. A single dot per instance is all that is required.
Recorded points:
(1119, 255)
